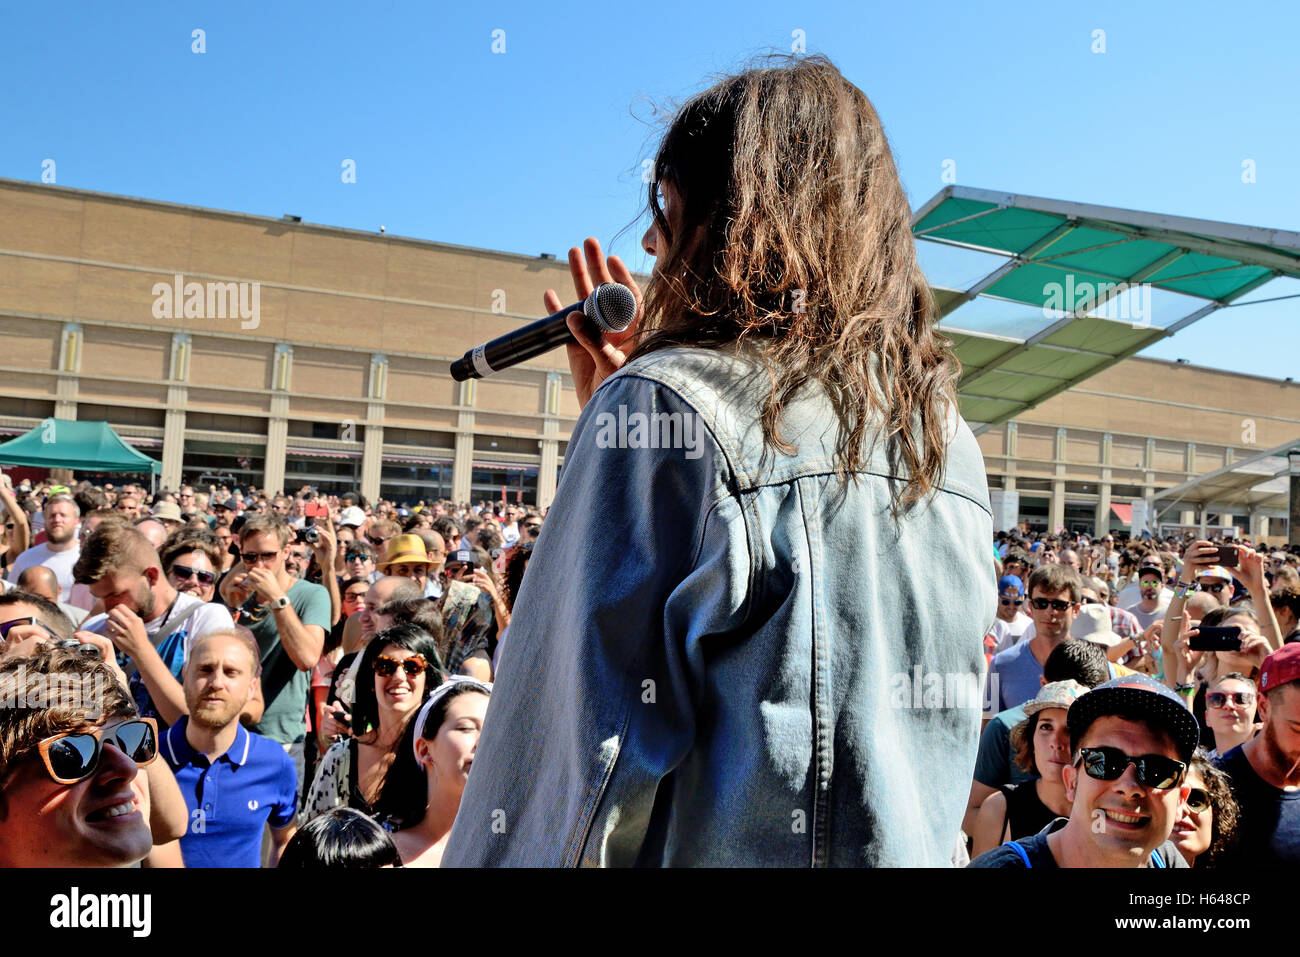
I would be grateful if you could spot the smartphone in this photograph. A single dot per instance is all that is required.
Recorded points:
(1227, 556)
(1216, 639)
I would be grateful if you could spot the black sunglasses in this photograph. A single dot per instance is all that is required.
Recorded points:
(5, 627)
(1012, 601)
(1216, 587)
(185, 572)
(1042, 604)
(1109, 764)
(74, 756)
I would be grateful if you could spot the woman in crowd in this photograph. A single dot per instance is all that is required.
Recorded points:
(398, 669)
(1231, 700)
(339, 839)
(1041, 744)
(422, 792)
(1207, 824)
(191, 559)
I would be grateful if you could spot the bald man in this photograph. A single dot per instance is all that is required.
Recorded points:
(40, 580)
(154, 530)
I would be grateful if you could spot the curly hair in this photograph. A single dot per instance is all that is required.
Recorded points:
(1224, 831)
(794, 236)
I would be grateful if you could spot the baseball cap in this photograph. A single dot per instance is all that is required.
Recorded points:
(1010, 581)
(1056, 694)
(1279, 668)
(352, 516)
(1093, 624)
(1141, 695)
(463, 556)
(1215, 571)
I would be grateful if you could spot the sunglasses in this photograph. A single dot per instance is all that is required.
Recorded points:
(1012, 601)
(1197, 801)
(185, 573)
(1090, 601)
(386, 667)
(1109, 764)
(1042, 604)
(1219, 699)
(74, 756)
(5, 627)
(356, 556)
(533, 528)
(253, 557)
(1216, 587)
(377, 542)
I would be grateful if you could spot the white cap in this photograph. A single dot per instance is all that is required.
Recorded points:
(352, 516)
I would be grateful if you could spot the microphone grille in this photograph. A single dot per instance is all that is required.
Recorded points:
(612, 307)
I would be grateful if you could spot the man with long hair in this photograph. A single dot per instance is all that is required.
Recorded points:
(712, 681)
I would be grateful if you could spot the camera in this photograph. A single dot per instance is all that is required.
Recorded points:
(309, 535)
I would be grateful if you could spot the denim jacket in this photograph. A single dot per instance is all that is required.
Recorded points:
(722, 657)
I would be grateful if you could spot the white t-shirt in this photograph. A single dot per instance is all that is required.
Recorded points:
(1008, 633)
(60, 563)
(208, 619)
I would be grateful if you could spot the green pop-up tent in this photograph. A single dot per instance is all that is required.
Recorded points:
(82, 446)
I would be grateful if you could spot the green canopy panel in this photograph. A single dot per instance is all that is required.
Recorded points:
(80, 446)
(1089, 270)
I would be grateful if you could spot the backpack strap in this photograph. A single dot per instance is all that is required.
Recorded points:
(1015, 846)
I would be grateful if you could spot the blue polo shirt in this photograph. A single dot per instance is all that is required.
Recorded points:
(230, 802)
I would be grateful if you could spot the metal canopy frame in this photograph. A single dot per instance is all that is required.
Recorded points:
(1236, 492)
(1275, 250)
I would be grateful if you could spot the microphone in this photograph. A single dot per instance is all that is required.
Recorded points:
(610, 308)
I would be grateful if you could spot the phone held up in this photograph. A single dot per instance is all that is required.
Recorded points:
(1226, 638)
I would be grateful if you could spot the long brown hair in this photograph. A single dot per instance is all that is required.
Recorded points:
(793, 234)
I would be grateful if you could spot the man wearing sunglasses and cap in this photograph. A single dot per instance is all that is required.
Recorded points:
(1011, 623)
(1131, 741)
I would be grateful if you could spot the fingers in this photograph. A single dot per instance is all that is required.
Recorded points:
(552, 303)
(578, 269)
(606, 358)
(596, 260)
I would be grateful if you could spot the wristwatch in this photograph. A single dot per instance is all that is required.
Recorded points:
(280, 603)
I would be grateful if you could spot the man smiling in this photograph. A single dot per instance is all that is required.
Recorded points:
(1132, 739)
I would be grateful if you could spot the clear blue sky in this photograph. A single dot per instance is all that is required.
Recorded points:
(532, 149)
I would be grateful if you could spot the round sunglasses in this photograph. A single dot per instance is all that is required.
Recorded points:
(386, 667)
(1198, 800)
(1109, 764)
(74, 755)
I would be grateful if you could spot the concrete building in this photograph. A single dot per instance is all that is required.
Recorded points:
(286, 353)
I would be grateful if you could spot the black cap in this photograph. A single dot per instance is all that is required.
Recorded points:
(1141, 695)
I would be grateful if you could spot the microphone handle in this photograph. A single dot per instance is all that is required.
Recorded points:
(522, 344)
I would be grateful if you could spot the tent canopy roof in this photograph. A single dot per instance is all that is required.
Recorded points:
(1088, 275)
(1260, 482)
(71, 444)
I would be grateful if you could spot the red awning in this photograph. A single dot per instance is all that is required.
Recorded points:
(1125, 512)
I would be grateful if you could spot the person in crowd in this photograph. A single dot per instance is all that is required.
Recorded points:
(340, 839)
(192, 561)
(1010, 624)
(511, 581)
(17, 532)
(422, 790)
(153, 530)
(1217, 581)
(1286, 606)
(27, 617)
(1054, 593)
(1207, 827)
(398, 669)
(1132, 740)
(1230, 708)
(41, 580)
(289, 618)
(1265, 771)
(788, 496)
(1152, 603)
(408, 557)
(61, 548)
(380, 532)
(236, 783)
(145, 617)
(66, 771)
(129, 506)
(359, 561)
(1071, 660)
(1042, 747)
(469, 611)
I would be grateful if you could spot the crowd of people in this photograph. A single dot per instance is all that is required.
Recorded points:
(315, 672)
(299, 662)
(1143, 706)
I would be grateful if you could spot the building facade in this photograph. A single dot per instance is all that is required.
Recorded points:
(287, 354)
